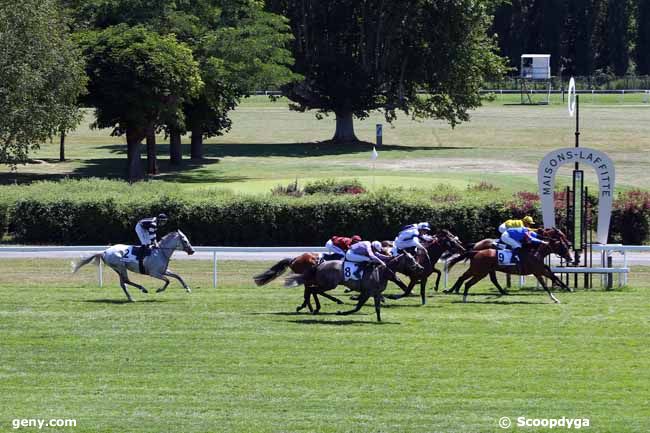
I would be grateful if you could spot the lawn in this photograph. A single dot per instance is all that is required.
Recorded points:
(270, 145)
(238, 359)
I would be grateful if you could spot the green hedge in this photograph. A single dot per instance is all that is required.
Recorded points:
(103, 213)
(242, 220)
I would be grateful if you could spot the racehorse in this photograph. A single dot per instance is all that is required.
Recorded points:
(484, 262)
(328, 275)
(444, 242)
(122, 259)
(304, 265)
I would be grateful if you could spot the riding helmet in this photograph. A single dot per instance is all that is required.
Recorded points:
(424, 226)
(376, 245)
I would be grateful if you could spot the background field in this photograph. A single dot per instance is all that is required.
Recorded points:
(270, 145)
(238, 359)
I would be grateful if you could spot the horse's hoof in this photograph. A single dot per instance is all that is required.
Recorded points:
(160, 290)
(131, 300)
(339, 313)
(315, 312)
(145, 291)
(188, 290)
(464, 299)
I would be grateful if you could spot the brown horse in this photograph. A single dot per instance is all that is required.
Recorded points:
(444, 242)
(304, 264)
(329, 275)
(484, 262)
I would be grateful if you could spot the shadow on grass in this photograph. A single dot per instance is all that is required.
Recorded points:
(121, 301)
(341, 322)
(289, 150)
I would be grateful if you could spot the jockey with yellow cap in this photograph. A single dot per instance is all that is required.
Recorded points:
(526, 221)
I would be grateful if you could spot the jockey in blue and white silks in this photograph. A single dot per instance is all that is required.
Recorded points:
(410, 235)
(147, 229)
(516, 237)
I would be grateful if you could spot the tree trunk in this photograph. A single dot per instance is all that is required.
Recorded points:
(152, 164)
(175, 150)
(344, 129)
(134, 138)
(62, 147)
(197, 143)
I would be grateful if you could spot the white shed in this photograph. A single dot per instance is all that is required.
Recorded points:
(536, 66)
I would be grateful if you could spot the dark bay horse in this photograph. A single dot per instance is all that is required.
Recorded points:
(484, 262)
(303, 264)
(328, 275)
(444, 242)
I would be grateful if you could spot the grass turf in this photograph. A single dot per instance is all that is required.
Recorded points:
(238, 359)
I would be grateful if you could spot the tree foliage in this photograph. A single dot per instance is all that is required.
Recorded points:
(41, 77)
(239, 47)
(138, 79)
(583, 36)
(360, 56)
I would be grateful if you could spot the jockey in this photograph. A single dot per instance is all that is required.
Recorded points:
(526, 221)
(338, 246)
(146, 229)
(409, 237)
(366, 252)
(516, 237)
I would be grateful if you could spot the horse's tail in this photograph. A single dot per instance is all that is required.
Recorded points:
(85, 260)
(274, 272)
(295, 280)
(465, 256)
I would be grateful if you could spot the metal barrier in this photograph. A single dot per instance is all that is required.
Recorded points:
(606, 250)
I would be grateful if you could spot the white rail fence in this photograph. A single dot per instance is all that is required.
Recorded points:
(605, 250)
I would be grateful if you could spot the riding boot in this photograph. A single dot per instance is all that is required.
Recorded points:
(518, 257)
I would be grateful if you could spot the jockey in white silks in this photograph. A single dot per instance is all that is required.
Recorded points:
(147, 229)
(409, 237)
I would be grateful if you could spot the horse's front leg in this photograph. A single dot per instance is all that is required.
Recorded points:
(407, 292)
(177, 277)
(438, 273)
(541, 281)
(332, 298)
(423, 288)
(363, 297)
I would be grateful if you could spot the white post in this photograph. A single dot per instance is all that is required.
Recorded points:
(100, 272)
(625, 266)
(214, 269)
(521, 281)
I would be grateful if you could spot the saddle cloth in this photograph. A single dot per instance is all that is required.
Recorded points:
(349, 271)
(504, 257)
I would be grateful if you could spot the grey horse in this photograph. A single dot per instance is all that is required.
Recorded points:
(329, 274)
(122, 259)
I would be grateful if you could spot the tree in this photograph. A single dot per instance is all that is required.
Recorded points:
(138, 79)
(41, 77)
(238, 45)
(642, 39)
(359, 56)
(618, 36)
(245, 49)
